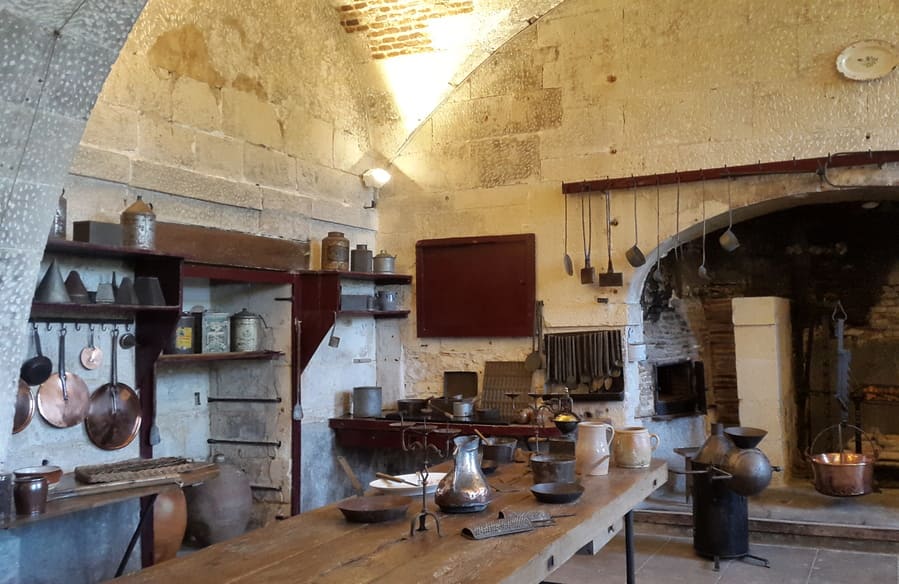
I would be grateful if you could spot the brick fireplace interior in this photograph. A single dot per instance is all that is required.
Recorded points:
(814, 256)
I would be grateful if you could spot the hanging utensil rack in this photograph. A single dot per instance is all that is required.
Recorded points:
(818, 165)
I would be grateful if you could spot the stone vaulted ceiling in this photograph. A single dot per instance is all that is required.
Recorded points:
(420, 50)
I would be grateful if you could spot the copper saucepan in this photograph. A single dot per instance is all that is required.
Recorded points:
(24, 408)
(62, 399)
(113, 417)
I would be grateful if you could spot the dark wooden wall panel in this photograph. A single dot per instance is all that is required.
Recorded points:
(476, 286)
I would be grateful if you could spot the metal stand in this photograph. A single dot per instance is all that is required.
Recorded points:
(146, 509)
(424, 430)
(629, 546)
(424, 513)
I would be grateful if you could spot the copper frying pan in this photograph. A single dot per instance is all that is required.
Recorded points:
(24, 408)
(62, 399)
(113, 417)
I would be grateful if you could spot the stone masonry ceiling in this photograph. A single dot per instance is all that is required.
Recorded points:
(398, 27)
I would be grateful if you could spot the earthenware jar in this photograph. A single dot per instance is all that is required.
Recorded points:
(465, 489)
(219, 509)
(633, 447)
(592, 448)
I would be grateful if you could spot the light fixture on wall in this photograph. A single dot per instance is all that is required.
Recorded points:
(375, 178)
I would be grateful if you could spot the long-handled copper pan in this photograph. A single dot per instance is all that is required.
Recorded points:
(113, 417)
(62, 399)
(24, 408)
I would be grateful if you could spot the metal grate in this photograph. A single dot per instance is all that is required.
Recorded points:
(502, 377)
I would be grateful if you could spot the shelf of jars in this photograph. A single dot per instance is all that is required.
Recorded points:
(229, 356)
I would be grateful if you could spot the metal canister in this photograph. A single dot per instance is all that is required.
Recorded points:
(246, 331)
(185, 338)
(335, 252)
(139, 225)
(58, 229)
(216, 332)
(384, 263)
(360, 258)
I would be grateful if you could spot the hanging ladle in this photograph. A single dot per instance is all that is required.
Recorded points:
(569, 266)
(657, 275)
(703, 272)
(728, 239)
(634, 256)
(588, 274)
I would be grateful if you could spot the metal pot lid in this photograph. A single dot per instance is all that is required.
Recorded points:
(24, 408)
(246, 314)
(113, 417)
(383, 254)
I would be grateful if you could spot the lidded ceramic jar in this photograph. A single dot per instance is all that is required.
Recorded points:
(139, 225)
(335, 252)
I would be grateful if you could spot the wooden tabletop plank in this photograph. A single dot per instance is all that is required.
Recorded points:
(320, 546)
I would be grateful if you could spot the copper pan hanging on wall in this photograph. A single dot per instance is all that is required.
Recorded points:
(24, 408)
(62, 399)
(113, 416)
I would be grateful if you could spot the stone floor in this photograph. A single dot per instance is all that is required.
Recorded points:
(664, 554)
(661, 559)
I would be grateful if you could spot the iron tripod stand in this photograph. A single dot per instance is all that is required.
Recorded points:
(424, 430)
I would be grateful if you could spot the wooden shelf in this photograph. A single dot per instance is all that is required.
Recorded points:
(78, 312)
(64, 246)
(237, 356)
(378, 278)
(375, 313)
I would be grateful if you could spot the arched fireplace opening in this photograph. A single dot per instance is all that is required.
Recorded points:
(814, 256)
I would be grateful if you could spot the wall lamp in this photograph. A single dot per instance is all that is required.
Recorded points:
(375, 178)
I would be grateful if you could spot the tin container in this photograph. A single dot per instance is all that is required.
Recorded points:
(361, 259)
(139, 225)
(184, 340)
(384, 263)
(58, 229)
(7, 507)
(367, 401)
(335, 252)
(216, 332)
(246, 331)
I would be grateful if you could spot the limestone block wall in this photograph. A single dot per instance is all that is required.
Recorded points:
(617, 88)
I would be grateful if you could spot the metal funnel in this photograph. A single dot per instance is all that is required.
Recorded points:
(52, 289)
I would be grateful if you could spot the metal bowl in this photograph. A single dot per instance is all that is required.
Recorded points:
(557, 492)
(746, 437)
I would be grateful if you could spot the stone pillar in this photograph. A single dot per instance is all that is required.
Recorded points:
(762, 334)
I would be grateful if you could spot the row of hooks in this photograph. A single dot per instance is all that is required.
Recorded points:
(91, 326)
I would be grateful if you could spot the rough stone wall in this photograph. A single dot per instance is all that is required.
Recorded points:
(883, 318)
(50, 81)
(615, 88)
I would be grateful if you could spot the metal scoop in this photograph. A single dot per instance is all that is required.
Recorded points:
(634, 255)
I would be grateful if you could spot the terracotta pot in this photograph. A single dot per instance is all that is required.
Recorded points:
(219, 509)
(169, 524)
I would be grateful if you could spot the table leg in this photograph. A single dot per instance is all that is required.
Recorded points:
(145, 510)
(629, 546)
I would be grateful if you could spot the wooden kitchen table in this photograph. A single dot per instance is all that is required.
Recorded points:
(320, 546)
